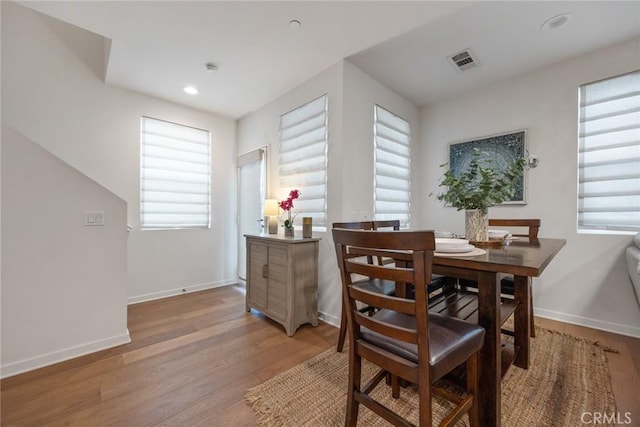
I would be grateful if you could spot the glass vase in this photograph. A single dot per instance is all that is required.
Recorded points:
(288, 232)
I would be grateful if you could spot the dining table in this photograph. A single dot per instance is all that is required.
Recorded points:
(521, 257)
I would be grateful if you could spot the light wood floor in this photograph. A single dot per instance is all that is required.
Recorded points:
(192, 358)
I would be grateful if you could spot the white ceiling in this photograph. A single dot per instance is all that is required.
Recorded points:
(159, 47)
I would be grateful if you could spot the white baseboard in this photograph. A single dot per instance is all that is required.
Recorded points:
(30, 364)
(179, 291)
(327, 318)
(616, 328)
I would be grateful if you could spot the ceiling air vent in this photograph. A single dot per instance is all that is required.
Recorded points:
(464, 60)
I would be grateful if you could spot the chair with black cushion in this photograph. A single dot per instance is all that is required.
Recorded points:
(381, 286)
(437, 281)
(507, 287)
(402, 338)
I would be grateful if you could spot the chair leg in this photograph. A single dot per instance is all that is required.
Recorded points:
(343, 331)
(395, 386)
(472, 389)
(355, 371)
(424, 403)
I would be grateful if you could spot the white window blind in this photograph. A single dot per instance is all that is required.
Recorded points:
(392, 180)
(303, 159)
(175, 175)
(609, 154)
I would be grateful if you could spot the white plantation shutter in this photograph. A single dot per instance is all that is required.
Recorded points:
(303, 159)
(175, 175)
(609, 154)
(392, 180)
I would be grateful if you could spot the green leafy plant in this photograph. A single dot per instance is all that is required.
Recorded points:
(480, 187)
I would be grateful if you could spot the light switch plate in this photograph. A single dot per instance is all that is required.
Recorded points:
(94, 218)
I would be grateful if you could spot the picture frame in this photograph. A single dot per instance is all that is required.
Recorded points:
(498, 150)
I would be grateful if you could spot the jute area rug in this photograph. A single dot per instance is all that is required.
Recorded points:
(568, 376)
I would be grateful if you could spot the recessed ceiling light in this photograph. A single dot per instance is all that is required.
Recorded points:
(191, 90)
(294, 23)
(555, 22)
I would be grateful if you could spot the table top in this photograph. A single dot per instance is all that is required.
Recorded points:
(520, 257)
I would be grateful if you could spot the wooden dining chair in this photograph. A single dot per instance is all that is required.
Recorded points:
(381, 286)
(437, 281)
(402, 338)
(524, 228)
(531, 225)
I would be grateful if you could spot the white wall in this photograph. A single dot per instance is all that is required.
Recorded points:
(352, 95)
(64, 285)
(53, 94)
(361, 93)
(586, 283)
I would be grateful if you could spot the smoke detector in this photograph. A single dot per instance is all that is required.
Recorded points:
(464, 60)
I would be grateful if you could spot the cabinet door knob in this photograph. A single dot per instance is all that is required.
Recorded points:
(265, 271)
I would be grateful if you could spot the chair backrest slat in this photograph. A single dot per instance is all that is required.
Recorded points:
(389, 223)
(392, 240)
(380, 272)
(383, 301)
(402, 334)
(533, 225)
(354, 225)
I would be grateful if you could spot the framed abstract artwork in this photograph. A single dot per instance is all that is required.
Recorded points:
(498, 151)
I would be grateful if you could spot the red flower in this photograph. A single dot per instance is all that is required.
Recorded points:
(287, 204)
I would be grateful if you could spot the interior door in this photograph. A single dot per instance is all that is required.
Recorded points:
(252, 180)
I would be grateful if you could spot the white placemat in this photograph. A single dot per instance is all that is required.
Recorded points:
(473, 252)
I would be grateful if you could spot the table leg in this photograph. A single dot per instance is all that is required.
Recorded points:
(521, 323)
(490, 360)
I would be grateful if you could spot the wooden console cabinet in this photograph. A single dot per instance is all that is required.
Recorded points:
(282, 279)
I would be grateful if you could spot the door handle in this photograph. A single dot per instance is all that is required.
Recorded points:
(265, 271)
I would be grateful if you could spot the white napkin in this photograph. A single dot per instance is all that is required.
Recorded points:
(498, 234)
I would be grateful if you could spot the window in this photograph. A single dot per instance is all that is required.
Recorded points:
(392, 175)
(175, 176)
(609, 155)
(303, 158)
